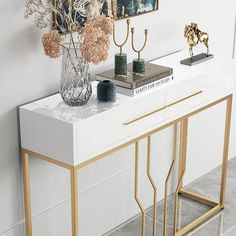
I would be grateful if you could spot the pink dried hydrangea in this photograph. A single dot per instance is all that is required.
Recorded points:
(95, 38)
(52, 44)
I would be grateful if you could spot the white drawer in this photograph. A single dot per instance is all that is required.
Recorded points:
(75, 134)
(127, 121)
(179, 99)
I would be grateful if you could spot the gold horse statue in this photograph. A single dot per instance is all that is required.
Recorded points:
(195, 36)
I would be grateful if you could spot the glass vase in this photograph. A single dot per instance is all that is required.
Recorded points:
(75, 87)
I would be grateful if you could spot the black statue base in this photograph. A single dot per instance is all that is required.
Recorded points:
(196, 59)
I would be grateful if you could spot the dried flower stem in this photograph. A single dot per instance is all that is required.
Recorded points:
(73, 43)
(93, 37)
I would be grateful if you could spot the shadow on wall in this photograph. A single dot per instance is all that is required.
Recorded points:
(9, 123)
(234, 46)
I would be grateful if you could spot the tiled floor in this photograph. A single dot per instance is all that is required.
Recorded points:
(222, 224)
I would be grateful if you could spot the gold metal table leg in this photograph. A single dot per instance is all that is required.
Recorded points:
(136, 188)
(176, 207)
(182, 165)
(74, 190)
(26, 180)
(183, 147)
(226, 150)
(153, 186)
(217, 206)
(74, 200)
(167, 179)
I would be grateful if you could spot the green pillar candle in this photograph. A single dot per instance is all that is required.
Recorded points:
(120, 64)
(138, 66)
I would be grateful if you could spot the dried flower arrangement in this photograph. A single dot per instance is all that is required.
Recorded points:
(92, 37)
(80, 34)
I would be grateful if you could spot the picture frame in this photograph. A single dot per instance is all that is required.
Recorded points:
(120, 9)
(116, 9)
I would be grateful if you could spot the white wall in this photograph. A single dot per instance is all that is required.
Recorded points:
(106, 197)
(234, 42)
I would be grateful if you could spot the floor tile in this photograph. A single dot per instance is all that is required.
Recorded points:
(231, 231)
(189, 210)
(133, 227)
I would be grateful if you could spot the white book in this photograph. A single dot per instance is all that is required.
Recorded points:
(144, 89)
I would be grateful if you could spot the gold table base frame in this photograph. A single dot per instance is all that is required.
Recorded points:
(217, 206)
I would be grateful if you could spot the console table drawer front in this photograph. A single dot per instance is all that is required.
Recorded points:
(183, 101)
(112, 128)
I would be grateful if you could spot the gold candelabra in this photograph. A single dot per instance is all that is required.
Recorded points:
(139, 64)
(126, 39)
(145, 42)
(121, 58)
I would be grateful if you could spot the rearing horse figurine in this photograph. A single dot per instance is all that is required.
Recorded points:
(195, 36)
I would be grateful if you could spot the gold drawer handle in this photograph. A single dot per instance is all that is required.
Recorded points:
(162, 108)
(145, 115)
(183, 99)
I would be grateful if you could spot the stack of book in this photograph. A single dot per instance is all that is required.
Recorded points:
(137, 84)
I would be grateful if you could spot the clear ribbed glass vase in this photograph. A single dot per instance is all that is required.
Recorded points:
(75, 87)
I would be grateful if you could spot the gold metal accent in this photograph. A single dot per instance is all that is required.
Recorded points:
(48, 159)
(226, 150)
(74, 201)
(161, 108)
(167, 179)
(177, 203)
(145, 115)
(198, 198)
(183, 99)
(153, 186)
(136, 189)
(26, 180)
(183, 147)
(195, 36)
(145, 42)
(199, 220)
(182, 166)
(126, 39)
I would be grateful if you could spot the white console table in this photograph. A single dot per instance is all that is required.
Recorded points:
(74, 137)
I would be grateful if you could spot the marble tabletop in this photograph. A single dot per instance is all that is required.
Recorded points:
(53, 106)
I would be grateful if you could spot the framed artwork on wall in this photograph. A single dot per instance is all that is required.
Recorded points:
(116, 9)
